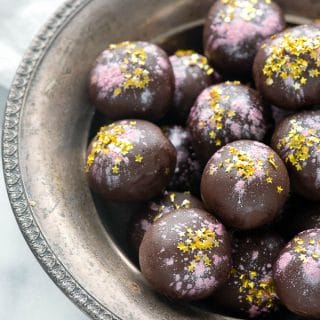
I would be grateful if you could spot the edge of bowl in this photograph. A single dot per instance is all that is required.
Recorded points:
(21, 206)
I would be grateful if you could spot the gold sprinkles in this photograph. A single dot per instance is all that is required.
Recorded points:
(109, 139)
(299, 144)
(307, 249)
(194, 59)
(295, 58)
(197, 242)
(247, 10)
(132, 66)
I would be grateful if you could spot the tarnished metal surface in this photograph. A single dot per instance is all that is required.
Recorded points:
(46, 129)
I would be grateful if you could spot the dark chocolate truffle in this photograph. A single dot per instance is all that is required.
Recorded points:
(286, 68)
(132, 80)
(224, 113)
(192, 74)
(188, 171)
(250, 290)
(130, 160)
(297, 274)
(155, 209)
(235, 29)
(186, 254)
(246, 184)
(297, 141)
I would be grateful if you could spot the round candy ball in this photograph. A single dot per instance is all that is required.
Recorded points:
(286, 68)
(250, 290)
(192, 74)
(130, 160)
(132, 80)
(246, 184)
(235, 29)
(154, 210)
(297, 141)
(297, 274)
(188, 171)
(224, 113)
(186, 254)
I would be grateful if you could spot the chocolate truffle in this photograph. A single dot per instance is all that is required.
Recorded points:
(154, 210)
(192, 74)
(187, 174)
(297, 274)
(186, 254)
(224, 113)
(130, 160)
(235, 29)
(132, 80)
(297, 141)
(246, 184)
(286, 68)
(250, 290)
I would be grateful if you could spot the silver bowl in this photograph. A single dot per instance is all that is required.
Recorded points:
(79, 240)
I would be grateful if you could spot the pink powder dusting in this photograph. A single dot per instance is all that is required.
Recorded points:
(253, 311)
(219, 229)
(206, 283)
(239, 187)
(200, 269)
(216, 260)
(236, 129)
(109, 77)
(284, 260)
(311, 271)
(163, 63)
(238, 30)
(242, 107)
(255, 255)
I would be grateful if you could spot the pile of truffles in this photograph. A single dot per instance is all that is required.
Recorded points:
(239, 127)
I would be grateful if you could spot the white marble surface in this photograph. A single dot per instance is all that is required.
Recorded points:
(26, 292)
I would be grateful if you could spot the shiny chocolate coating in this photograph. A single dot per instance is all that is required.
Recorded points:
(224, 113)
(250, 290)
(296, 274)
(188, 171)
(186, 254)
(192, 74)
(130, 160)
(297, 141)
(286, 68)
(154, 210)
(234, 31)
(246, 184)
(132, 80)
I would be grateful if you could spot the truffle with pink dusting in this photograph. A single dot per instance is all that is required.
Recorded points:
(250, 290)
(297, 274)
(192, 74)
(130, 160)
(186, 254)
(246, 184)
(154, 210)
(224, 113)
(297, 141)
(286, 68)
(235, 29)
(187, 174)
(132, 80)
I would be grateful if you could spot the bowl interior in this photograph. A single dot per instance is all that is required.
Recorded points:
(86, 233)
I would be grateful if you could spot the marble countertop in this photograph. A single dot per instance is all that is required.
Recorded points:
(26, 292)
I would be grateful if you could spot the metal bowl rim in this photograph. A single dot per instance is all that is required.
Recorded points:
(20, 205)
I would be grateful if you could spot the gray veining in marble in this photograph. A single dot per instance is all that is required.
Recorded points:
(26, 292)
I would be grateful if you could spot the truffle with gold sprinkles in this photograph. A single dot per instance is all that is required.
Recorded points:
(192, 74)
(130, 160)
(235, 29)
(132, 80)
(186, 254)
(224, 113)
(188, 171)
(250, 290)
(246, 184)
(286, 68)
(296, 274)
(297, 141)
(154, 210)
